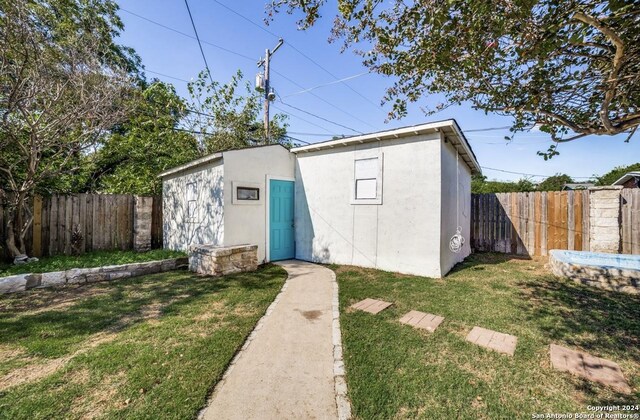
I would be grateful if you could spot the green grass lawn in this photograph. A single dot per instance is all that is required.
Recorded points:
(395, 371)
(88, 260)
(147, 347)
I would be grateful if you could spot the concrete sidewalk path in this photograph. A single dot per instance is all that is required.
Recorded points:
(286, 370)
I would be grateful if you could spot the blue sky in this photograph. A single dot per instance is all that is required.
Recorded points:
(172, 54)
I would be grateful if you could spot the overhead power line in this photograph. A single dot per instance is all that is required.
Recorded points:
(316, 134)
(220, 47)
(195, 31)
(321, 118)
(300, 118)
(526, 174)
(165, 75)
(324, 100)
(320, 66)
(327, 84)
(249, 59)
(487, 129)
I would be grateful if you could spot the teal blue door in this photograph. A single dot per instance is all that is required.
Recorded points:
(281, 233)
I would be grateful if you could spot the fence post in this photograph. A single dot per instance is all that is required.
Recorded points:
(143, 207)
(604, 217)
(37, 226)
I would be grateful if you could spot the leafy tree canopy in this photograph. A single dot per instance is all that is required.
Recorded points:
(480, 185)
(64, 82)
(616, 173)
(145, 145)
(230, 115)
(570, 67)
(555, 182)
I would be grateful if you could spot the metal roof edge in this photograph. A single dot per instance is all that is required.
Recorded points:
(624, 178)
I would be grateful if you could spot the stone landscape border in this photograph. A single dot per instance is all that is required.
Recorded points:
(23, 282)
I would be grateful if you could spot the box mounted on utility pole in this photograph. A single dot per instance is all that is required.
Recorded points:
(263, 85)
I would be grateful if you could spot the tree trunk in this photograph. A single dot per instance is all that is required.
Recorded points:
(16, 226)
(11, 237)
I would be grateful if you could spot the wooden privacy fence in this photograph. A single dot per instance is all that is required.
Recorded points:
(630, 220)
(534, 223)
(86, 222)
(530, 223)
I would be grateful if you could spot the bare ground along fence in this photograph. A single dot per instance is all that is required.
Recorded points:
(536, 222)
(66, 224)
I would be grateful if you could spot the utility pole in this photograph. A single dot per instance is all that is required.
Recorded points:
(269, 94)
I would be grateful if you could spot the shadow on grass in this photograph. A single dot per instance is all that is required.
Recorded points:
(108, 307)
(592, 319)
(477, 261)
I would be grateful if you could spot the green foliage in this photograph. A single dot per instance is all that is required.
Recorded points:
(64, 83)
(572, 68)
(616, 173)
(480, 185)
(555, 182)
(145, 145)
(230, 115)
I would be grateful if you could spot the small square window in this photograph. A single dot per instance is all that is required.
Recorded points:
(366, 189)
(248, 193)
(367, 174)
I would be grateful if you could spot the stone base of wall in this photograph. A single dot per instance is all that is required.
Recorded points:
(607, 278)
(218, 261)
(22, 282)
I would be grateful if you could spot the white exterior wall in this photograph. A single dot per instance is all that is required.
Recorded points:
(246, 221)
(451, 206)
(402, 234)
(207, 227)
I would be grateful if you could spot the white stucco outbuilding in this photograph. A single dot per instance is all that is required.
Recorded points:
(389, 200)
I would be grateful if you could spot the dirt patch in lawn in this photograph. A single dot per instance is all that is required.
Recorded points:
(41, 369)
(32, 372)
(10, 352)
(101, 398)
(49, 300)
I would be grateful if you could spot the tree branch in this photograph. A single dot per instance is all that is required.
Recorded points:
(617, 63)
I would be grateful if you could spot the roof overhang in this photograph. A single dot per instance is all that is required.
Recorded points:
(624, 178)
(194, 163)
(448, 128)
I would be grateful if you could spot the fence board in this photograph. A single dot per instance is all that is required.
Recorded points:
(534, 223)
(37, 226)
(630, 221)
(104, 222)
(577, 220)
(45, 226)
(68, 219)
(88, 242)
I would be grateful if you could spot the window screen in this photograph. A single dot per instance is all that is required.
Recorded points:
(247, 193)
(366, 177)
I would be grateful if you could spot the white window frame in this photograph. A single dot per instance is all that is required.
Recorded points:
(191, 217)
(379, 180)
(253, 185)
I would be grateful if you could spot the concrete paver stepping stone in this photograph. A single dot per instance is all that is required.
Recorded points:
(422, 320)
(493, 340)
(589, 367)
(373, 306)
